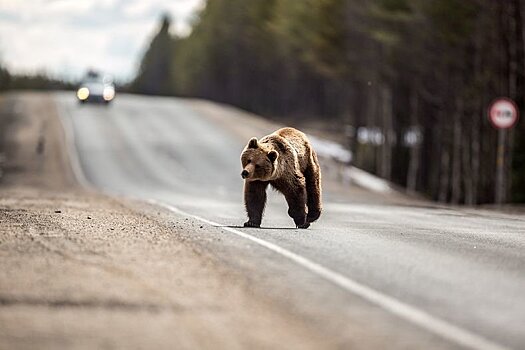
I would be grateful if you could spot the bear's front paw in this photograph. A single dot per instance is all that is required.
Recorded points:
(300, 221)
(252, 224)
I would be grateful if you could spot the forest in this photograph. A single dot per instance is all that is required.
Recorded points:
(9, 81)
(408, 82)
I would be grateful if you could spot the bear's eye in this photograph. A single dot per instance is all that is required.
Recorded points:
(249, 161)
(257, 166)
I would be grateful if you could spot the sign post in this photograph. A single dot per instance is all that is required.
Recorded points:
(503, 115)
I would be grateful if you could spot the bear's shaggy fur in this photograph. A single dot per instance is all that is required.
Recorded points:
(287, 161)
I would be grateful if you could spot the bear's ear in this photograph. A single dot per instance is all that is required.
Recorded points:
(252, 143)
(273, 155)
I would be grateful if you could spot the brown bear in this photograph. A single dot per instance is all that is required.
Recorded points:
(287, 161)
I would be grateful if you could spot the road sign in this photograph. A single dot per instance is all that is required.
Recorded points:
(503, 113)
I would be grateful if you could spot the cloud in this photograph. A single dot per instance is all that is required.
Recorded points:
(65, 37)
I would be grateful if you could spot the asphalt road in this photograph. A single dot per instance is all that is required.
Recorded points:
(428, 277)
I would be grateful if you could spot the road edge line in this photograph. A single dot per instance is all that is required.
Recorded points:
(72, 151)
(405, 311)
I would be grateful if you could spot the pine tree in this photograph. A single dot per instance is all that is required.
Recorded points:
(5, 79)
(156, 75)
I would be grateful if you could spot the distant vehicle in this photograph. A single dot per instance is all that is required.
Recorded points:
(96, 88)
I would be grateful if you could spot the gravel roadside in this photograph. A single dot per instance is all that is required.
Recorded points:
(81, 270)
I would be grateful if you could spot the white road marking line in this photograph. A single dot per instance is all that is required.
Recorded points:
(72, 151)
(394, 306)
(407, 312)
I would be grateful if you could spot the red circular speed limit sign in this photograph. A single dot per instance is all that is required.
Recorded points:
(503, 113)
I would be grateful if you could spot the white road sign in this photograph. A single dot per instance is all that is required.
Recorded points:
(503, 113)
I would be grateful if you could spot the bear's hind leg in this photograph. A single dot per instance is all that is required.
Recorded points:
(296, 198)
(313, 189)
(254, 201)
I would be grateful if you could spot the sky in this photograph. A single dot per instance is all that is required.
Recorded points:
(64, 38)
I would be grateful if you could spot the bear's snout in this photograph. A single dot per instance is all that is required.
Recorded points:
(245, 174)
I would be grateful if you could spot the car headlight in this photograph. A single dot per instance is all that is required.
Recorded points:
(108, 94)
(83, 93)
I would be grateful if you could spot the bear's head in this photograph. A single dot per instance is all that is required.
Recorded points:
(259, 161)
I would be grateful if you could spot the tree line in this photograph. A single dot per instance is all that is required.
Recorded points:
(9, 81)
(409, 81)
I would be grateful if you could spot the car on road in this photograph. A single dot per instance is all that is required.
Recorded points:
(96, 88)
